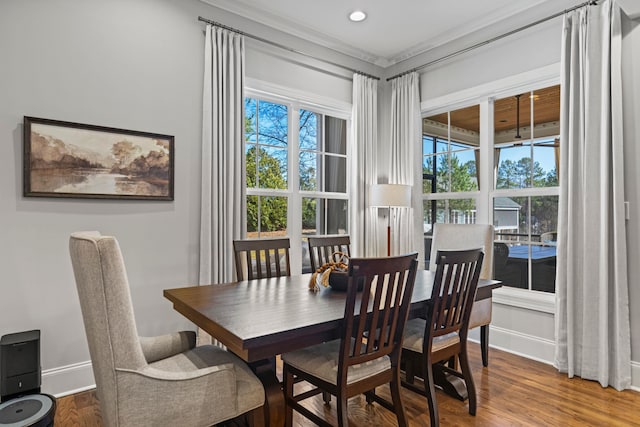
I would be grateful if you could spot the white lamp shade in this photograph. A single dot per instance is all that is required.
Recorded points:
(387, 195)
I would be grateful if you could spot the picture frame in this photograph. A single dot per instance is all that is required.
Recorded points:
(67, 159)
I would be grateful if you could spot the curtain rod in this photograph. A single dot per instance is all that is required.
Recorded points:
(287, 48)
(477, 45)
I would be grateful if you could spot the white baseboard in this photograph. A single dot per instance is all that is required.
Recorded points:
(78, 377)
(68, 379)
(536, 348)
(635, 376)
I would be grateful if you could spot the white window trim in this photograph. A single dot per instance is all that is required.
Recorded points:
(524, 298)
(484, 95)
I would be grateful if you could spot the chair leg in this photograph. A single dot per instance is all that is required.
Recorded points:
(370, 396)
(288, 395)
(326, 397)
(484, 344)
(343, 418)
(398, 407)
(430, 391)
(468, 379)
(256, 418)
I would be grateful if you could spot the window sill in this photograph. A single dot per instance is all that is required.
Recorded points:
(522, 298)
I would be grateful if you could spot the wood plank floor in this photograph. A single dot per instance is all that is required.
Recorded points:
(512, 391)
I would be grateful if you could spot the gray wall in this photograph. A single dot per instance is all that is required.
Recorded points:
(126, 64)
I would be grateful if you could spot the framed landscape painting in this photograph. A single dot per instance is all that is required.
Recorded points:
(65, 159)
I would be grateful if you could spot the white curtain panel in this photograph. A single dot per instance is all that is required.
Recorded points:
(363, 167)
(592, 310)
(222, 200)
(406, 131)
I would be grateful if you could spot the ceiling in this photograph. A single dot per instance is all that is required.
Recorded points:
(394, 30)
(507, 114)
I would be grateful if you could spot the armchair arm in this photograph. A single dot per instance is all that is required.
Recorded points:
(163, 346)
(151, 373)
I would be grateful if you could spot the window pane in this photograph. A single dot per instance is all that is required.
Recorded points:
(442, 145)
(266, 216)
(272, 124)
(442, 173)
(427, 145)
(511, 264)
(514, 166)
(272, 168)
(510, 218)
(546, 153)
(309, 130)
(544, 215)
(463, 171)
(324, 216)
(428, 174)
(456, 211)
(335, 135)
(455, 138)
(335, 174)
(465, 125)
(535, 216)
(527, 152)
(250, 129)
(250, 165)
(309, 169)
(543, 268)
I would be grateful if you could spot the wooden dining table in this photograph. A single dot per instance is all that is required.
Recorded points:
(260, 319)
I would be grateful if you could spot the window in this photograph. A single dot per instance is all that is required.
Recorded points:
(266, 165)
(525, 203)
(520, 196)
(294, 189)
(323, 171)
(450, 169)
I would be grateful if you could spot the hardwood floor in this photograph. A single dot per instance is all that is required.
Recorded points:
(512, 391)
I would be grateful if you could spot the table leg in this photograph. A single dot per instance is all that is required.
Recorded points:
(450, 384)
(265, 370)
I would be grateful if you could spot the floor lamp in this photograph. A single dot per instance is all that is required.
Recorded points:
(390, 196)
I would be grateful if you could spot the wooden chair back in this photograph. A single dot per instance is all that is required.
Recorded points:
(453, 293)
(322, 248)
(259, 259)
(387, 286)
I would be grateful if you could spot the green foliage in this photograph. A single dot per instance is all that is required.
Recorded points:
(309, 213)
(518, 174)
(273, 210)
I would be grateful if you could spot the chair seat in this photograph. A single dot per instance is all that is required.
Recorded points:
(321, 361)
(414, 337)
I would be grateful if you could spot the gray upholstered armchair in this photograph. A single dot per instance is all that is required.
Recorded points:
(162, 381)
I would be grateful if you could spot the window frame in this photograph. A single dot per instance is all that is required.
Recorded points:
(484, 95)
(295, 101)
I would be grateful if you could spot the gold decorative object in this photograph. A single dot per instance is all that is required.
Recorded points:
(321, 275)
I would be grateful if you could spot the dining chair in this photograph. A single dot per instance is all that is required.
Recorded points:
(321, 251)
(262, 258)
(355, 363)
(549, 238)
(152, 381)
(323, 248)
(463, 236)
(442, 334)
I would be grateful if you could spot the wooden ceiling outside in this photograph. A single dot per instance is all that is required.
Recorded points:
(546, 110)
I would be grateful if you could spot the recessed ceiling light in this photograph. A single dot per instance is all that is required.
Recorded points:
(357, 16)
